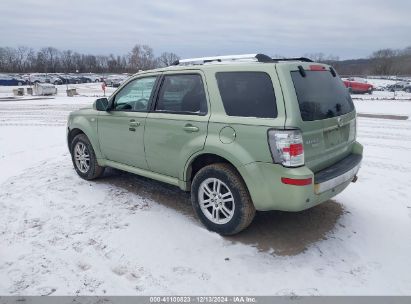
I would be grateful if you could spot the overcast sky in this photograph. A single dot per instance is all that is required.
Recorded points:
(348, 28)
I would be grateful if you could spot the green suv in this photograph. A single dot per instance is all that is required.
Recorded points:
(242, 133)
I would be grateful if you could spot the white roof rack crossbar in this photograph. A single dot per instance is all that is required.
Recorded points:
(245, 57)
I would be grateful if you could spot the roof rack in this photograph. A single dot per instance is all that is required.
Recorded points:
(246, 57)
(304, 59)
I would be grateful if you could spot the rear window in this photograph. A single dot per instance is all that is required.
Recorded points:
(320, 95)
(247, 94)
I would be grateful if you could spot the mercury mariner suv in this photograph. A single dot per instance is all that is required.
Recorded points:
(242, 133)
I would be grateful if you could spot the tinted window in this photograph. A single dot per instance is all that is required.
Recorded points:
(320, 95)
(135, 95)
(182, 94)
(248, 94)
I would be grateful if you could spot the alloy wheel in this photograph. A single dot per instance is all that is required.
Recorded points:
(216, 201)
(82, 157)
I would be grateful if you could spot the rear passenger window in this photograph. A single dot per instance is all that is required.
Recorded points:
(182, 94)
(247, 94)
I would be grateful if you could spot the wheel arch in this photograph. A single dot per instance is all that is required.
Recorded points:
(73, 133)
(81, 125)
(199, 161)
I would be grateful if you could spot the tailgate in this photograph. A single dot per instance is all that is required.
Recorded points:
(328, 141)
(318, 103)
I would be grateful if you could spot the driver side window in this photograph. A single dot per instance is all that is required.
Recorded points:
(135, 95)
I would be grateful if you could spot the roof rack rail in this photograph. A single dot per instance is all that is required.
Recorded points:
(304, 59)
(246, 57)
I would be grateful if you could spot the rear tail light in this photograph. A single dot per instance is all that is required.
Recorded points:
(286, 147)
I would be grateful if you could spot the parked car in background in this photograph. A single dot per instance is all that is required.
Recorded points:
(69, 79)
(42, 78)
(115, 80)
(85, 79)
(7, 80)
(54, 79)
(399, 86)
(95, 78)
(407, 88)
(356, 87)
(357, 79)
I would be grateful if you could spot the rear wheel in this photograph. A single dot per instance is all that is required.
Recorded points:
(221, 200)
(84, 159)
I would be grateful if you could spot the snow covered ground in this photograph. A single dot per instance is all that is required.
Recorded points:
(128, 235)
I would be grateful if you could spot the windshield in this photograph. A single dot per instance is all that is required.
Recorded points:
(320, 95)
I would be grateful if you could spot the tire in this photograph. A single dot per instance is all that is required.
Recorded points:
(20, 84)
(238, 207)
(88, 170)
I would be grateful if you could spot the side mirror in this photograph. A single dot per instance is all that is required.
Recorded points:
(101, 104)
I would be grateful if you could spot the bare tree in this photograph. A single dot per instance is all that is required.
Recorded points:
(321, 57)
(67, 61)
(8, 58)
(23, 56)
(167, 59)
(49, 58)
(382, 61)
(141, 58)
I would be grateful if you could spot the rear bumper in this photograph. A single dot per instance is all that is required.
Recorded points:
(337, 174)
(269, 193)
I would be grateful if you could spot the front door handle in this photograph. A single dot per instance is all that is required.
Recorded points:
(133, 125)
(190, 128)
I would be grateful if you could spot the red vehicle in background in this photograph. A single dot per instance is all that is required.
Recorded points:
(358, 87)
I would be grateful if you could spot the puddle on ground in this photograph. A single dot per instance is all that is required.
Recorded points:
(290, 233)
(283, 233)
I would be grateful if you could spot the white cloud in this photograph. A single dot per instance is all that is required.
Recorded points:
(291, 27)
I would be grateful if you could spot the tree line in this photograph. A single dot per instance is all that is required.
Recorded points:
(382, 62)
(24, 59)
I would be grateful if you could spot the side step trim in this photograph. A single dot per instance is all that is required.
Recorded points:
(153, 175)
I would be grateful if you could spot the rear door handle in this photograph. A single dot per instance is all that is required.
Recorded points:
(190, 128)
(134, 123)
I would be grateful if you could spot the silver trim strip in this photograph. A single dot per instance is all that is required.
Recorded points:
(336, 181)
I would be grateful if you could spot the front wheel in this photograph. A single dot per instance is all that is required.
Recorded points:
(221, 200)
(84, 159)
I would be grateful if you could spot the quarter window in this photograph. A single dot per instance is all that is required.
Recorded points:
(135, 95)
(247, 94)
(182, 94)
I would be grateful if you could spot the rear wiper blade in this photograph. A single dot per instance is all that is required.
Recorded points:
(330, 113)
